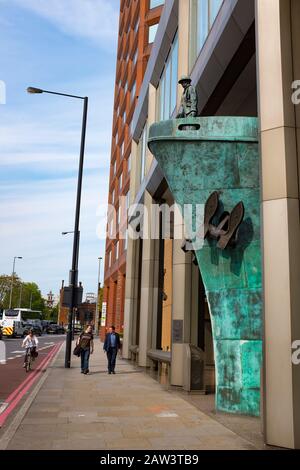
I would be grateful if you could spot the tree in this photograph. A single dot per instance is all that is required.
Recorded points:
(32, 297)
(24, 294)
(5, 288)
(51, 313)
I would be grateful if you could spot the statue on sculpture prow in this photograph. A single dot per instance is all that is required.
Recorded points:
(189, 101)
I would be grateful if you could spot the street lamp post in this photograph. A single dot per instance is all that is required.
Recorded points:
(97, 301)
(74, 314)
(74, 268)
(12, 279)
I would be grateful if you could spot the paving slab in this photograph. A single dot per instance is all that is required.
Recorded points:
(128, 410)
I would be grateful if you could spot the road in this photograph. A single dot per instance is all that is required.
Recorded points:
(15, 383)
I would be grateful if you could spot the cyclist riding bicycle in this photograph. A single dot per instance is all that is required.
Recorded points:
(30, 343)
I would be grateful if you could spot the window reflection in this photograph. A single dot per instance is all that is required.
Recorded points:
(167, 91)
(202, 16)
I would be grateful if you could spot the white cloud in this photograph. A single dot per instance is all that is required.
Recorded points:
(33, 215)
(47, 162)
(93, 19)
(39, 149)
(39, 163)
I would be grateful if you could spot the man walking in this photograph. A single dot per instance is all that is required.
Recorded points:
(111, 346)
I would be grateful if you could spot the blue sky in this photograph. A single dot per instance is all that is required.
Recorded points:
(67, 46)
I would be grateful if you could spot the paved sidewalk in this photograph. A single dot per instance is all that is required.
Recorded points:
(128, 410)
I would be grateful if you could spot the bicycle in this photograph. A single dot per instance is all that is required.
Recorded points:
(29, 359)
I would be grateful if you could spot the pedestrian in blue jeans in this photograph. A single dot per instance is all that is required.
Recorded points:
(87, 347)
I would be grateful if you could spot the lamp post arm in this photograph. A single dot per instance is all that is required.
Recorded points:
(64, 94)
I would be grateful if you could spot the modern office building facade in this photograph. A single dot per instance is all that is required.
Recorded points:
(243, 58)
(137, 28)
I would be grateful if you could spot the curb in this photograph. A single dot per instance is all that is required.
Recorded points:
(17, 420)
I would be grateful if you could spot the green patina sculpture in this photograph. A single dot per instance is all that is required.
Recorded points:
(189, 101)
(199, 156)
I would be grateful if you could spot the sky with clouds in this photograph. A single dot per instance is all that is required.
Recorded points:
(67, 46)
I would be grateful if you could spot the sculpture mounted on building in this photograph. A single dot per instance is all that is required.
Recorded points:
(189, 101)
(214, 161)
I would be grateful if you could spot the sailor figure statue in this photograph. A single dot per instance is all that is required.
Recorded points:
(188, 105)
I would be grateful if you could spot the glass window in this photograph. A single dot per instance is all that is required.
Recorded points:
(129, 163)
(113, 196)
(174, 75)
(152, 33)
(124, 117)
(126, 240)
(133, 91)
(120, 182)
(109, 259)
(134, 59)
(203, 23)
(117, 250)
(137, 25)
(114, 167)
(156, 3)
(122, 149)
(168, 89)
(143, 146)
(131, 127)
(215, 6)
(168, 84)
(162, 98)
(127, 200)
(203, 14)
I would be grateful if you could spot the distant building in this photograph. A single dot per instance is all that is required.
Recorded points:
(86, 313)
(91, 297)
(51, 300)
(62, 311)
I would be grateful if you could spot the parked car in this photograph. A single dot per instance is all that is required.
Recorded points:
(0, 333)
(55, 329)
(36, 329)
(45, 324)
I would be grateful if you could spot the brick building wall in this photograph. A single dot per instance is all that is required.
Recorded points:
(135, 23)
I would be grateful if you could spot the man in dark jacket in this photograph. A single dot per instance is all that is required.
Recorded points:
(111, 346)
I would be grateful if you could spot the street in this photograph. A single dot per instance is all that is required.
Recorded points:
(14, 381)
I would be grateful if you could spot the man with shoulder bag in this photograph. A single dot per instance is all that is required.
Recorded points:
(84, 347)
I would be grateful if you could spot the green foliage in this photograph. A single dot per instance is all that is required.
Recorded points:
(24, 295)
(51, 313)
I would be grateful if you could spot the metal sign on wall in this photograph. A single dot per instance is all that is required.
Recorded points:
(103, 315)
(177, 331)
